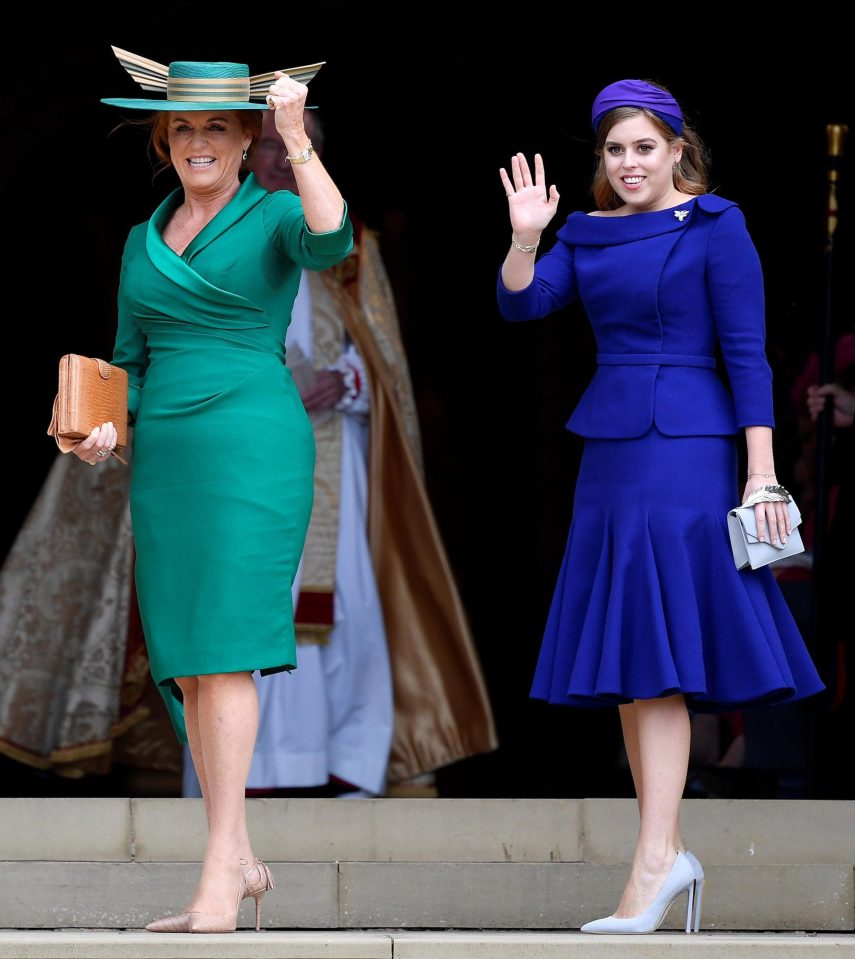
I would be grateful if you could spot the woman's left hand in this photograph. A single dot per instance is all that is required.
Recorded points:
(288, 98)
(98, 445)
(773, 519)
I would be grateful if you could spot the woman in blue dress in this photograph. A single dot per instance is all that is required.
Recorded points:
(649, 612)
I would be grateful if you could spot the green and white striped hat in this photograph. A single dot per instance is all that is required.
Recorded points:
(199, 85)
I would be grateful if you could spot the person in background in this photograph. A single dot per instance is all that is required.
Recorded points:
(842, 403)
(835, 729)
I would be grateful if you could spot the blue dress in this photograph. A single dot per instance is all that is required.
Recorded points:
(649, 602)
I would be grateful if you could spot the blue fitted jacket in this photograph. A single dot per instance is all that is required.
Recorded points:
(661, 291)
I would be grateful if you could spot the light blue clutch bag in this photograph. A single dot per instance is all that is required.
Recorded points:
(748, 551)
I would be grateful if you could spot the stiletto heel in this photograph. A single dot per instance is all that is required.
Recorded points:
(698, 870)
(689, 905)
(681, 878)
(257, 887)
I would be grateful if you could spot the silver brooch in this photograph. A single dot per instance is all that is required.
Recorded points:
(681, 214)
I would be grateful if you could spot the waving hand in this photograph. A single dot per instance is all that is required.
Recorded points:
(530, 206)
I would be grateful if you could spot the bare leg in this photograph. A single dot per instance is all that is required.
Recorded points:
(227, 711)
(190, 691)
(629, 724)
(660, 737)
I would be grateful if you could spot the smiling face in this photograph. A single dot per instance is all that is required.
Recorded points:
(206, 149)
(639, 163)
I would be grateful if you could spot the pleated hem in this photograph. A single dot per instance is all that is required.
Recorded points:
(649, 602)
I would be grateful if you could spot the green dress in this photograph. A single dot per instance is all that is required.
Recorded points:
(221, 485)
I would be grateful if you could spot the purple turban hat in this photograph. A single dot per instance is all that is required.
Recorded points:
(637, 93)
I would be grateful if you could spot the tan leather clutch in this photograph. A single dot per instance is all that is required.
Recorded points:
(91, 392)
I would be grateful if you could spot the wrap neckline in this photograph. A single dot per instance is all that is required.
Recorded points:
(248, 196)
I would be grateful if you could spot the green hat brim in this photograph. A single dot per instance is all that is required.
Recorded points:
(181, 105)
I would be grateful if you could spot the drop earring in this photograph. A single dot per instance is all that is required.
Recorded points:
(244, 154)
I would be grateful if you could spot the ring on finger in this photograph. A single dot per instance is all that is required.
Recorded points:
(270, 100)
(102, 453)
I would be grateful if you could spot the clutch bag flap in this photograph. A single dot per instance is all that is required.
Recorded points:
(747, 548)
(91, 392)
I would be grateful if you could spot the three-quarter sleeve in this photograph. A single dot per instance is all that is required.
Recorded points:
(735, 287)
(552, 287)
(131, 349)
(286, 228)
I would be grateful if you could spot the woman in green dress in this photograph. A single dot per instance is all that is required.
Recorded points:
(221, 489)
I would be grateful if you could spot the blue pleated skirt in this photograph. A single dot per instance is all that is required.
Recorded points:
(649, 602)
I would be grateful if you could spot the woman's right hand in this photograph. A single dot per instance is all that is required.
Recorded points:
(530, 206)
(98, 446)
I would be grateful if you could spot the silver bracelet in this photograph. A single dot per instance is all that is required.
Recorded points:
(764, 475)
(525, 247)
(769, 494)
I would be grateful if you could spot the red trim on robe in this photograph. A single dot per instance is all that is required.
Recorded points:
(314, 609)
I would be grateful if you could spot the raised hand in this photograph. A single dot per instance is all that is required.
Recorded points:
(288, 98)
(530, 206)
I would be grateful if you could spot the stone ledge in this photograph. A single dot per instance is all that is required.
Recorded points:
(373, 830)
(66, 829)
(129, 895)
(732, 831)
(736, 832)
(558, 945)
(565, 895)
(72, 944)
(422, 895)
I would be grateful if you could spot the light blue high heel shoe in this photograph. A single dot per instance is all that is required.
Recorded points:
(682, 878)
(699, 889)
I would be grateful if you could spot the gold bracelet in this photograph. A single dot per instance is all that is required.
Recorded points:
(303, 156)
(525, 247)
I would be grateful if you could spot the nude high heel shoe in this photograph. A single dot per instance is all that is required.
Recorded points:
(179, 923)
(205, 922)
(254, 884)
(680, 879)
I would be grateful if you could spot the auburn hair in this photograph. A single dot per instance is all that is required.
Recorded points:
(691, 173)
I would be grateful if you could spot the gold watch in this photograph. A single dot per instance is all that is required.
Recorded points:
(303, 156)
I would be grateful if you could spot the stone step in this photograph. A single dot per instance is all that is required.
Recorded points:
(726, 832)
(423, 863)
(380, 895)
(65, 944)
